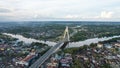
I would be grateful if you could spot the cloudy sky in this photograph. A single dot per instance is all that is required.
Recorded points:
(35, 10)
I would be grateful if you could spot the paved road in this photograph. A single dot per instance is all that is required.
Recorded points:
(43, 58)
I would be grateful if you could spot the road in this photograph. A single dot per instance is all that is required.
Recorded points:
(43, 58)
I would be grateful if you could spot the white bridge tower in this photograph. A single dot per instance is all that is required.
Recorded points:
(66, 36)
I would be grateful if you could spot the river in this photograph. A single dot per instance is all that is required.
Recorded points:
(89, 41)
(73, 44)
(29, 40)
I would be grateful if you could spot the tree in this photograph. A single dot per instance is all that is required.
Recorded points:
(93, 45)
(77, 64)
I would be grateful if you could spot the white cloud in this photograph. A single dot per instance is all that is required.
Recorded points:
(71, 16)
(68, 9)
(5, 9)
(106, 14)
(102, 15)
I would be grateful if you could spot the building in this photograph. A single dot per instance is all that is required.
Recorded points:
(27, 60)
(3, 47)
(99, 45)
(108, 46)
(64, 63)
(117, 44)
(52, 65)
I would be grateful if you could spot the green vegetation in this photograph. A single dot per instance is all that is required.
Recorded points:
(77, 64)
(105, 66)
(53, 32)
(37, 44)
(7, 38)
(80, 36)
(92, 31)
(71, 50)
(75, 50)
(104, 30)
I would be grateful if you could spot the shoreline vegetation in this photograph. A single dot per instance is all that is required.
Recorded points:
(53, 32)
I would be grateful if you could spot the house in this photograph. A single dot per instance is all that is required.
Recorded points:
(108, 46)
(99, 45)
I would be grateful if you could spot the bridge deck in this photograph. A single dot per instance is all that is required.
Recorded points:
(43, 58)
(59, 45)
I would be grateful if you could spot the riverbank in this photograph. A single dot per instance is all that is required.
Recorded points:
(50, 43)
(29, 40)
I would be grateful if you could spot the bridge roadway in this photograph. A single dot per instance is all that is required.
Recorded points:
(43, 58)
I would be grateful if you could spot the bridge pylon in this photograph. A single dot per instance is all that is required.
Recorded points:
(66, 36)
(60, 45)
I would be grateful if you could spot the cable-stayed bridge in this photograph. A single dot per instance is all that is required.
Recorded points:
(65, 40)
